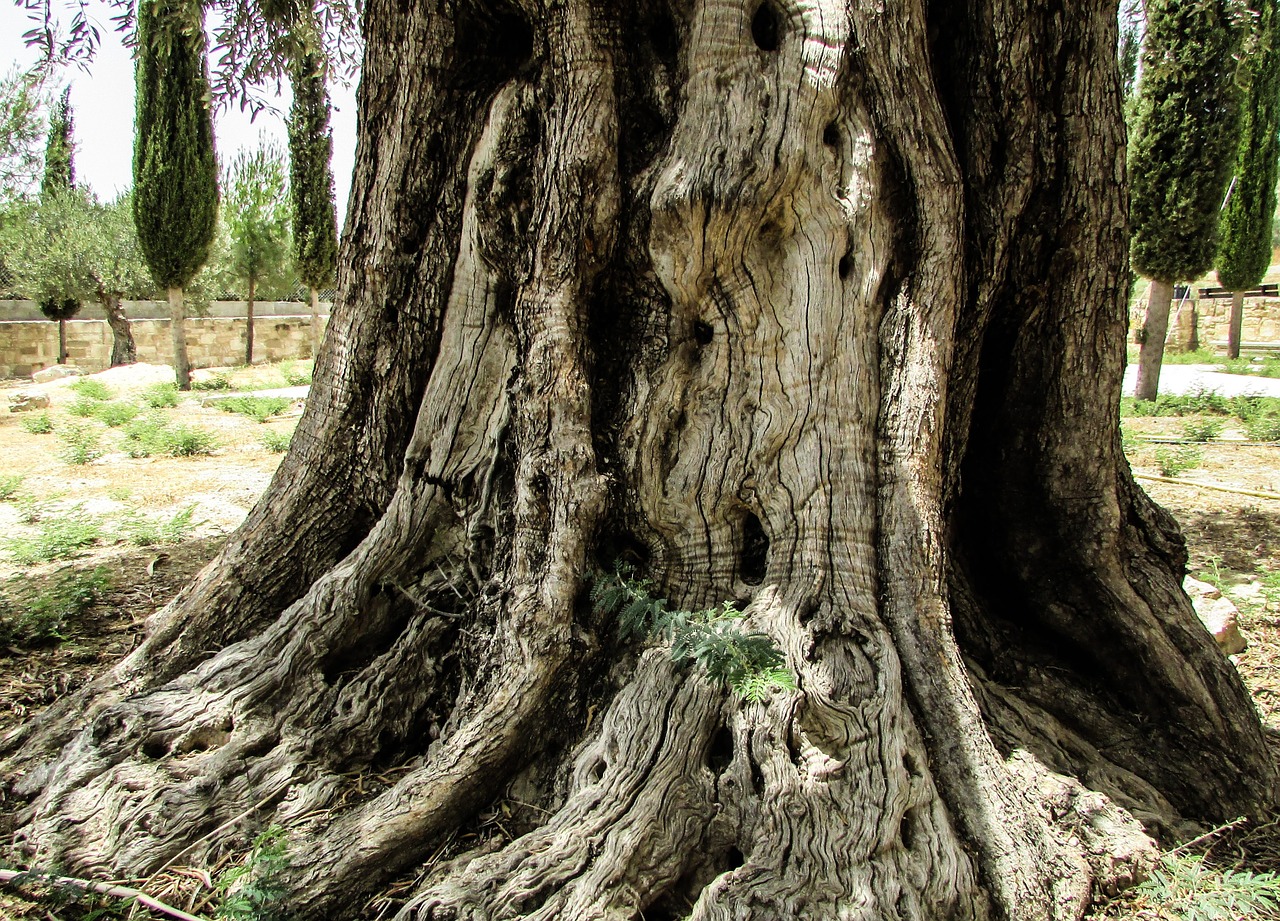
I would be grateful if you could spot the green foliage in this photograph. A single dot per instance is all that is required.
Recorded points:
(254, 890)
(188, 441)
(152, 434)
(37, 424)
(1185, 140)
(1264, 367)
(9, 486)
(1202, 429)
(218, 381)
(81, 444)
(116, 414)
(30, 616)
(150, 532)
(276, 442)
(175, 171)
(294, 374)
(47, 249)
(21, 127)
(1174, 460)
(749, 663)
(92, 389)
(1199, 356)
(1186, 886)
(1264, 427)
(1245, 224)
(260, 408)
(59, 149)
(160, 396)
(57, 537)
(1200, 402)
(83, 407)
(256, 209)
(315, 226)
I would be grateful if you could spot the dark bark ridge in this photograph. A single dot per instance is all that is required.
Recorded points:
(803, 304)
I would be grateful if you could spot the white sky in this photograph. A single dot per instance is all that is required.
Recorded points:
(102, 102)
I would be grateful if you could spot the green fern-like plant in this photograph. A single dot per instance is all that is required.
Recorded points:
(1187, 885)
(254, 890)
(751, 664)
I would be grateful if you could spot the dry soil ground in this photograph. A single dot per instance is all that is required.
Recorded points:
(149, 544)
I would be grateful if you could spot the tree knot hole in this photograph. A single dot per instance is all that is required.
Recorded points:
(766, 27)
(831, 135)
(845, 266)
(754, 560)
(702, 332)
(720, 751)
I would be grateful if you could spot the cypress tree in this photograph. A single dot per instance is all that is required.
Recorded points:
(175, 171)
(315, 233)
(1181, 156)
(1245, 254)
(59, 179)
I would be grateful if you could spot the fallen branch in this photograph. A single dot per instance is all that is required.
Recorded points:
(1257, 494)
(108, 889)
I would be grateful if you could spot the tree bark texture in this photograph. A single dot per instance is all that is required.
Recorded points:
(814, 306)
(178, 329)
(1155, 327)
(124, 351)
(1235, 324)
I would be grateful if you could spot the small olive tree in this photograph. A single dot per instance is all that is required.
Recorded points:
(256, 210)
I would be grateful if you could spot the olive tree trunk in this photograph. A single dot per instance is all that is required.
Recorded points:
(817, 307)
(124, 351)
(248, 321)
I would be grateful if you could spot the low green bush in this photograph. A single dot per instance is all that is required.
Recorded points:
(1264, 427)
(295, 375)
(38, 424)
(259, 408)
(1186, 886)
(89, 389)
(116, 413)
(1202, 429)
(57, 537)
(31, 616)
(150, 532)
(9, 486)
(276, 442)
(188, 441)
(218, 381)
(160, 396)
(1175, 460)
(80, 444)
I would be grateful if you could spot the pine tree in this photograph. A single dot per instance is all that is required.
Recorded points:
(315, 234)
(59, 180)
(1181, 156)
(175, 171)
(1246, 222)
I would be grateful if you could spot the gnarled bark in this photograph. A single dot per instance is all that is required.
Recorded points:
(124, 351)
(810, 305)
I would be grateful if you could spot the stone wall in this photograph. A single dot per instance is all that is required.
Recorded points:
(212, 342)
(1260, 323)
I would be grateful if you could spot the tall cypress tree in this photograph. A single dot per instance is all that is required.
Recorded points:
(59, 179)
(1181, 156)
(315, 233)
(1245, 254)
(175, 171)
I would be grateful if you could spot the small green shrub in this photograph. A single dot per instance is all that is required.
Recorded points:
(160, 396)
(294, 375)
(253, 890)
(276, 442)
(92, 390)
(9, 486)
(1175, 460)
(1187, 887)
(39, 424)
(57, 537)
(83, 407)
(1264, 427)
(31, 617)
(117, 413)
(218, 381)
(187, 441)
(148, 532)
(749, 663)
(80, 444)
(1198, 357)
(143, 436)
(1202, 429)
(259, 408)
